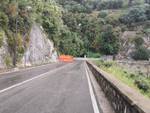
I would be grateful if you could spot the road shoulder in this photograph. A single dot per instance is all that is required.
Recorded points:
(102, 101)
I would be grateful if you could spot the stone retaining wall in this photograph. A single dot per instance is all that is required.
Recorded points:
(123, 98)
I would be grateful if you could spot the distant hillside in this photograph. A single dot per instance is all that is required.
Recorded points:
(102, 24)
(77, 27)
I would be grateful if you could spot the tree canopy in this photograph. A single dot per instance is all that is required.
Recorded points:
(77, 27)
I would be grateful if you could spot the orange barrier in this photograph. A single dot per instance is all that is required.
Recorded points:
(66, 58)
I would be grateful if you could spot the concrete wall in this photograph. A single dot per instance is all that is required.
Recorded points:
(122, 98)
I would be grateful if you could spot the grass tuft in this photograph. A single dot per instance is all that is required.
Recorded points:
(134, 80)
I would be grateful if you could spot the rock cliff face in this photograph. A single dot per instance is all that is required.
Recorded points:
(127, 44)
(3, 53)
(41, 49)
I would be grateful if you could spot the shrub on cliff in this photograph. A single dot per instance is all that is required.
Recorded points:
(1, 38)
(141, 53)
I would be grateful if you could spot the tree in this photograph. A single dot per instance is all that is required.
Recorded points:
(148, 12)
(71, 44)
(113, 19)
(15, 21)
(147, 1)
(136, 14)
(109, 43)
(141, 53)
(73, 6)
(1, 38)
(110, 4)
(51, 19)
(130, 2)
(88, 27)
(138, 41)
(3, 20)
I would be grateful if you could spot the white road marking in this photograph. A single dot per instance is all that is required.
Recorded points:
(93, 98)
(39, 76)
(25, 69)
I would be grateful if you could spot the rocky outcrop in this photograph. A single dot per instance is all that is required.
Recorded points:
(127, 44)
(3, 53)
(41, 49)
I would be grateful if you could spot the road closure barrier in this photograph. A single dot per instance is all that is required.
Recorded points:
(66, 58)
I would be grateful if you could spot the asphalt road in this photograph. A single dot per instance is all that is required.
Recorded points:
(62, 89)
(9, 79)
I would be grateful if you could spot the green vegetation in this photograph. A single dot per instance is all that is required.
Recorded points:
(93, 55)
(90, 20)
(77, 27)
(110, 4)
(71, 44)
(1, 38)
(8, 61)
(109, 41)
(140, 53)
(15, 22)
(135, 14)
(135, 80)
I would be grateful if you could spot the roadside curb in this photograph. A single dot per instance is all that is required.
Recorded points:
(118, 92)
(102, 101)
(13, 70)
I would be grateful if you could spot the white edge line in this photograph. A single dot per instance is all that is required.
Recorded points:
(13, 86)
(93, 98)
(21, 83)
(25, 69)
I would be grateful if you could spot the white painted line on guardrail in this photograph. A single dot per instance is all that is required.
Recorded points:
(93, 98)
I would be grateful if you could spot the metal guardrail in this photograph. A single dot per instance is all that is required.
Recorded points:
(122, 98)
